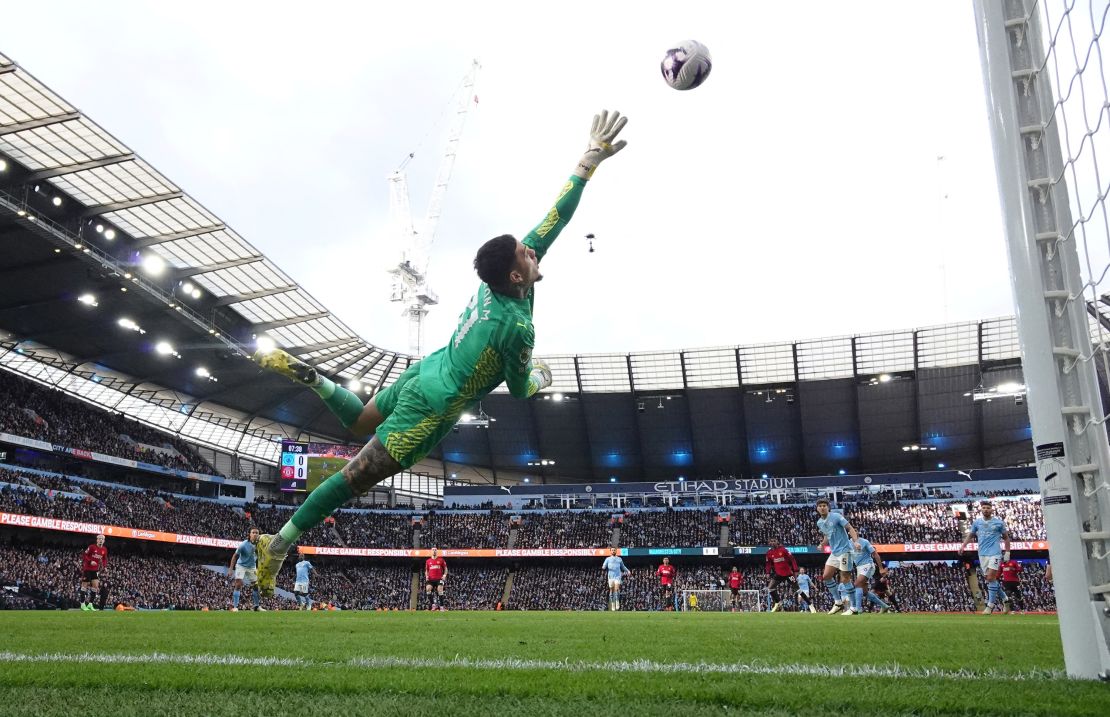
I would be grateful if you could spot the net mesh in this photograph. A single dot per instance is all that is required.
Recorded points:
(721, 600)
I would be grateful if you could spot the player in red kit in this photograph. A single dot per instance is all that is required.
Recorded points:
(92, 562)
(782, 568)
(1011, 586)
(435, 573)
(734, 581)
(666, 573)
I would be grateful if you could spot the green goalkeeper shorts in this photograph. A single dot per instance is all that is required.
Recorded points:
(412, 428)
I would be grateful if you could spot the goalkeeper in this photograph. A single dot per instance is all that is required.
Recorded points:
(493, 343)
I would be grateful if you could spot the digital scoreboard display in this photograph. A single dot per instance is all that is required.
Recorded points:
(306, 465)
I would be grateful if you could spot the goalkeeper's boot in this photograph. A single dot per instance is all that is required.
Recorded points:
(776, 607)
(988, 609)
(287, 365)
(269, 565)
(812, 609)
(837, 607)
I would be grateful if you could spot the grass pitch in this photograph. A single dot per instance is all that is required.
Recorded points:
(462, 663)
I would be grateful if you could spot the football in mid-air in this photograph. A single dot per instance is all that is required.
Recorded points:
(686, 65)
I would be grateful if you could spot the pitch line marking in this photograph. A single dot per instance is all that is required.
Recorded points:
(629, 666)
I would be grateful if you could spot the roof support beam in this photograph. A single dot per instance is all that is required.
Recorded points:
(236, 298)
(267, 325)
(35, 124)
(8, 68)
(143, 242)
(81, 167)
(358, 356)
(309, 348)
(330, 355)
(187, 271)
(130, 204)
(372, 364)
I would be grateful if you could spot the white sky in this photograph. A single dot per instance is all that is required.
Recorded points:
(796, 194)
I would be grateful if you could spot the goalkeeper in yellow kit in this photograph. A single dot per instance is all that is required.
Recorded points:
(493, 343)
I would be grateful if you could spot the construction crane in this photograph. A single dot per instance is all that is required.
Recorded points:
(410, 276)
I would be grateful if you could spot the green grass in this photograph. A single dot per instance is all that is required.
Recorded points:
(1014, 659)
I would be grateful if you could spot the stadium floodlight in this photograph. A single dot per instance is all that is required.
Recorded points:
(354, 385)
(527, 479)
(187, 287)
(87, 299)
(129, 324)
(264, 344)
(153, 264)
(56, 201)
(99, 228)
(884, 378)
(3, 166)
(202, 372)
(612, 479)
(556, 397)
(165, 348)
(196, 293)
(110, 234)
(941, 465)
(77, 245)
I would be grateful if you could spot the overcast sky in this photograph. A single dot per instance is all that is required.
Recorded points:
(797, 194)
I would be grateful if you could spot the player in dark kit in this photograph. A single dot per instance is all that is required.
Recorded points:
(92, 562)
(882, 588)
(735, 579)
(782, 568)
(435, 573)
(666, 573)
(1011, 587)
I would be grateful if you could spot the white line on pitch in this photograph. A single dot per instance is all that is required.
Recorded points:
(647, 666)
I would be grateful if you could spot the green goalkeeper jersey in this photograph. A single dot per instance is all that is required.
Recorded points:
(494, 339)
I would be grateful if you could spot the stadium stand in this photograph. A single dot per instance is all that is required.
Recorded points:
(33, 411)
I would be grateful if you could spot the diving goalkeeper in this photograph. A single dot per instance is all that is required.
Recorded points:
(493, 343)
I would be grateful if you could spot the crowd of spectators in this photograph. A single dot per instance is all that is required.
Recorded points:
(49, 578)
(565, 529)
(375, 530)
(465, 530)
(671, 528)
(34, 411)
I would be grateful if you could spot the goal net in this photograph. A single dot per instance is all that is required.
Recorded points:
(1047, 95)
(721, 600)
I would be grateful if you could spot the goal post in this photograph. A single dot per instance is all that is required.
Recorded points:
(1048, 125)
(721, 600)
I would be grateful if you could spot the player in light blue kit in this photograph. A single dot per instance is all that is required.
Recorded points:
(989, 531)
(300, 585)
(867, 560)
(805, 584)
(614, 569)
(244, 567)
(835, 532)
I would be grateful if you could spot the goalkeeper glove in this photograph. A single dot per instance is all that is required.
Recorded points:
(540, 376)
(604, 130)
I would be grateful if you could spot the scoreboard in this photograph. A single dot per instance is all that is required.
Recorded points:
(306, 465)
(294, 467)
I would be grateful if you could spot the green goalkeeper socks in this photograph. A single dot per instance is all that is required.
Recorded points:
(343, 403)
(321, 503)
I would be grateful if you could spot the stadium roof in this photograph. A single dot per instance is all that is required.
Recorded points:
(73, 184)
(69, 186)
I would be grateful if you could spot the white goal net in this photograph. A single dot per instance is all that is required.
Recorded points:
(721, 600)
(1049, 108)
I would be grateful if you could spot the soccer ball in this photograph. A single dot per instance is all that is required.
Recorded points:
(686, 65)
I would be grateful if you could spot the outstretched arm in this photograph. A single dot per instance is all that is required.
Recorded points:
(601, 146)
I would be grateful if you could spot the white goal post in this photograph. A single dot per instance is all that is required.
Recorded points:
(1047, 101)
(721, 600)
